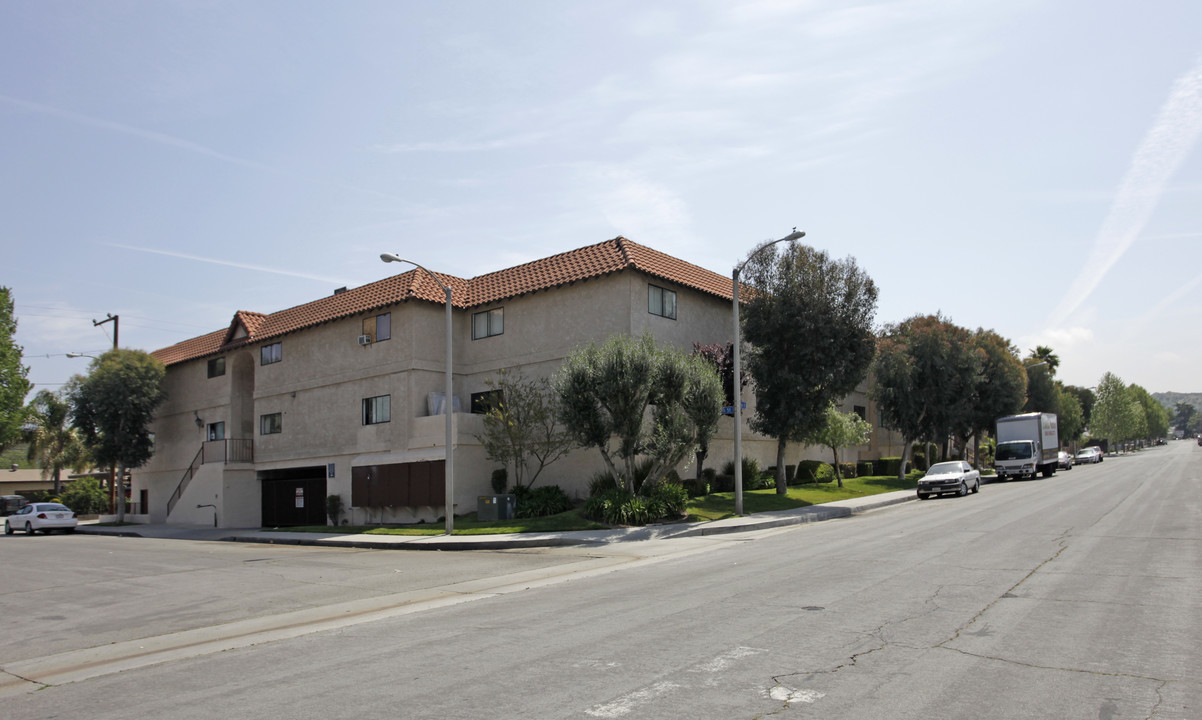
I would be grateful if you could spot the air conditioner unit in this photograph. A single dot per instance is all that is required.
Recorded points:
(365, 339)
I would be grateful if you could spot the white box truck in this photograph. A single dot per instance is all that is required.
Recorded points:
(1026, 444)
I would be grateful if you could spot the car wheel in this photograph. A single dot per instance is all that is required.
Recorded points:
(977, 487)
(963, 488)
(28, 528)
(923, 496)
(8, 529)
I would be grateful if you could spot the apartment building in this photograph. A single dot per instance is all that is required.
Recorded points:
(344, 395)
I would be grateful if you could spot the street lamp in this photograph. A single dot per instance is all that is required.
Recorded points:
(449, 403)
(737, 386)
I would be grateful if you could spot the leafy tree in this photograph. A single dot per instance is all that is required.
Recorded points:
(1155, 416)
(655, 402)
(14, 384)
(1086, 399)
(1071, 421)
(1114, 413)
(54, 445)
(809, 323)
(841, 430)
(1184, 416)
(1041, 388)
(1001, 387)
(925, 377)
(722, 358)
(85, 496)
(521, 428)
(113, 407)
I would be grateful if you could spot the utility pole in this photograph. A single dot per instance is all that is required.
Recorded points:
(113, 479)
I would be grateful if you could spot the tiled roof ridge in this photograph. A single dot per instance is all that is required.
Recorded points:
(564, 268)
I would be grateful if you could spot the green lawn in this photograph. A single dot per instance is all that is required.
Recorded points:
(713, 507)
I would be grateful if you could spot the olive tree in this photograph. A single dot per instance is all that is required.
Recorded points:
(521, 426)
(627, 398)
(841, 430)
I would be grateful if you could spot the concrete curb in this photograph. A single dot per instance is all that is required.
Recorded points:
(747, 523)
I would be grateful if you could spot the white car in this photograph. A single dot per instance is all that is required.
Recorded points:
(953, 476)
(42, 516)
(1091, 454)
(1065, 461)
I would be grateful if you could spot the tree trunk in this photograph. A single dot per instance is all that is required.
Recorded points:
(58, 483)
(838, 472)
(782, 486)
(120, 483)
(901, 468)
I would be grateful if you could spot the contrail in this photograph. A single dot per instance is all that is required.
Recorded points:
(179, 143)
(229, 263)
(1167, 144)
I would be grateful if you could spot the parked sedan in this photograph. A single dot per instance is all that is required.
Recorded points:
(1089, 454)
(955, 476)
(1066, 461)
(41, 516)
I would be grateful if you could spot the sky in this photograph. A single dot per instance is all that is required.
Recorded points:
(1026, 166)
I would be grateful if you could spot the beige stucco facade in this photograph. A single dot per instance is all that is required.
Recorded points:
(324, 375)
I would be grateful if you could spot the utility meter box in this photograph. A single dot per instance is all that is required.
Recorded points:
(495, 507)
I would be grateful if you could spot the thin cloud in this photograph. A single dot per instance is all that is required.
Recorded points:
(460, 147)
(172, 141)
(230, 263)
(1167, 144)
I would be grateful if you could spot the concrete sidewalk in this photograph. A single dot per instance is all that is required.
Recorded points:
(746, 523)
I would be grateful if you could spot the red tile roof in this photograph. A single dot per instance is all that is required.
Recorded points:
(574, 266)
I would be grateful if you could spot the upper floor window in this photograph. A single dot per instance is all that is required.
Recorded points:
(488, 323)
(661, 301)
(271, 423)
(217, 367)
(861, 411)
(272, 353)
(378, 327)
(216, 431)
(482, 402)
(377, 409)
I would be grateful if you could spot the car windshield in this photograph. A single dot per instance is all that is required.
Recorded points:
(1013, 451)
(1086, 451)
(53, 507)
(947, 467)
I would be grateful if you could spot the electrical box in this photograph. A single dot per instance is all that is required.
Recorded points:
(490, 508)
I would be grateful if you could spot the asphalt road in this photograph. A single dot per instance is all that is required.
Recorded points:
(1076, 596)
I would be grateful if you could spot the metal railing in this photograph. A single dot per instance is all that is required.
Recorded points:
(238, 450)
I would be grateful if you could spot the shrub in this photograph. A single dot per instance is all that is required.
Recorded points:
(541, 501)
(863, 469)
(751, 468)
(847, 469)
(334, 508)
(790, 474)
(695, 488)
(723, 483)
(84, 496)
(887, 466)
(618, 507)
(500, 480)
(672, 497)
(807, 471)
(919, 457)
(708, 475)
(601, 482)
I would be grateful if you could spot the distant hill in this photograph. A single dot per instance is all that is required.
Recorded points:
(1170, 399)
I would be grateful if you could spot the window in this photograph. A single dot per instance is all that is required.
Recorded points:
(378, 327)
(272, 353)
(861, 411)
(488, 323)
(661, 302)
(377, 409)
(216, 431)
(216, 367)
(482, 402)
(271, 423)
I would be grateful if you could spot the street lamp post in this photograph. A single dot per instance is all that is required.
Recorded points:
(737, 386)
(449, 402)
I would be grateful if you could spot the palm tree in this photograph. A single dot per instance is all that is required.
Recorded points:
(54, 444)
(1043, 353)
